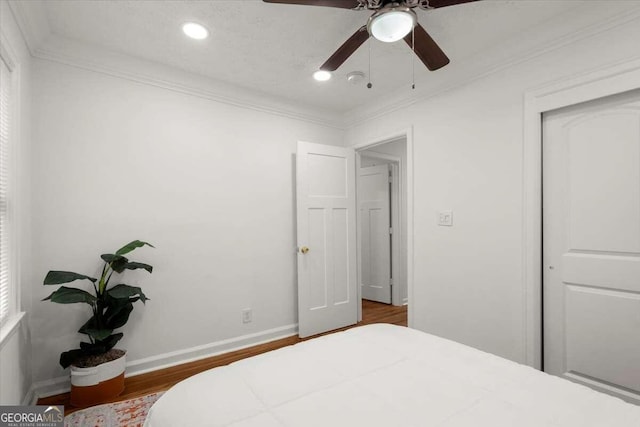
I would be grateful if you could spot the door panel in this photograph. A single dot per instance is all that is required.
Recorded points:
(315, 265)
(591, 244)
(341, 284)
(603, 205)
(597, 319)
(326, 225)
(375, 222)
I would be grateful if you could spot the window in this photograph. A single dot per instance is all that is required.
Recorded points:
(6, 109)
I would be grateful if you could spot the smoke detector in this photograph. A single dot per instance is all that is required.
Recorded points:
(355, 77)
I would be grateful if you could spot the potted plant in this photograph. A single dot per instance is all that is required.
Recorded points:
(97, 368)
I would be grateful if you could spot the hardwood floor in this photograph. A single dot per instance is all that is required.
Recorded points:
(375, 312)
(163, 379)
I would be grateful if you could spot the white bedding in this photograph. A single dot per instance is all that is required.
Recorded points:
(384, 375)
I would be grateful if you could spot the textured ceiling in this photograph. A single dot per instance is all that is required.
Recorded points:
(275, 48)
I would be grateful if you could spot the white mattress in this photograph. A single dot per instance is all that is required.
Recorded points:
(384, 375)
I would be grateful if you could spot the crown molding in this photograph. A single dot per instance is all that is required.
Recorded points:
(32, 21)
(169, 78)
(92, 58)
(42, 44)
(469, 72)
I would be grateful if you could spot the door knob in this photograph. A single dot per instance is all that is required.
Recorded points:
(304, 249)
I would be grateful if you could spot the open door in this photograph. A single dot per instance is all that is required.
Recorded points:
(375, 232)
(326, 225)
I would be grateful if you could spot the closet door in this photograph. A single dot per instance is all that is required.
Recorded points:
(591, 244)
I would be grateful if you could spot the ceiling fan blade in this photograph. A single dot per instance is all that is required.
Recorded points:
(346, 50)
(444, 3)
(344, 4)
(427, 49)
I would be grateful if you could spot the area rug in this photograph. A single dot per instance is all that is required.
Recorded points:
(128, 413)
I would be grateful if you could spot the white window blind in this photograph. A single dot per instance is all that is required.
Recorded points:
(5, 130)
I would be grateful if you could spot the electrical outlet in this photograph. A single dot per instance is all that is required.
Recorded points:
(247, 315)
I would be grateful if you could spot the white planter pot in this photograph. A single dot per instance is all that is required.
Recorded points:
(90, 386)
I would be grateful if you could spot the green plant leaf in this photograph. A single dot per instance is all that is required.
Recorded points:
(98, 347)
(117, 262)
(65, 295)
(91, 349)
(59, 277)
(131, 246)
(137, 265)
(94, 330)
(98, 334)
(89, 324)
(126, 291)
(112, 302)
(111, 341)
(110, 257)
(68, 357)
(119, 316)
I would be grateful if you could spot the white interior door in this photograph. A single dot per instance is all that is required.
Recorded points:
(375, 237)
(326, 222)
(591, 260)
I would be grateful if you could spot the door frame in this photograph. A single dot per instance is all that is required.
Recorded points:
(596, 84)
(407, 135)
(396, 213)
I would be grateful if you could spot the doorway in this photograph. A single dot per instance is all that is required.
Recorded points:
(328, 253)
(381, 187)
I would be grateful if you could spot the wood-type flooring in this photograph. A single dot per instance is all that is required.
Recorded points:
(163, 379)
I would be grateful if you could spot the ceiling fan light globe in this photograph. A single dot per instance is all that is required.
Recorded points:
(392, 25)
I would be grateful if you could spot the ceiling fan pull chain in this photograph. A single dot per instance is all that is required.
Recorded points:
(369, 85)
(413, 58)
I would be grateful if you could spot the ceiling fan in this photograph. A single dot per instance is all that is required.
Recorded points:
(392, 20)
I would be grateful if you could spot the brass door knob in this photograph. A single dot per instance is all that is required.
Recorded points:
(304, 249)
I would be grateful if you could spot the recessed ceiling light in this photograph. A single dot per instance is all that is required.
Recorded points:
(195, 31)
(322, 76)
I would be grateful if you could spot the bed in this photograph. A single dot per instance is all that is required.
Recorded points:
(384, 375)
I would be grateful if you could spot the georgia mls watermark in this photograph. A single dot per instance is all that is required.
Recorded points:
(32, 416)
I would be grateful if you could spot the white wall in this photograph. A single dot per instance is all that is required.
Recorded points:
(468, 147)
(209, 184)
(15, 353)
(15, 367)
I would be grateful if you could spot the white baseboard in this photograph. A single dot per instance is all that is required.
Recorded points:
(142, 366)
(51, 387)
(148, 364)
(30, 398)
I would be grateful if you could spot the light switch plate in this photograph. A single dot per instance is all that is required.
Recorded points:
(445, 218)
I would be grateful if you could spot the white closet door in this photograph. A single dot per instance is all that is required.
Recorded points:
(591, 260)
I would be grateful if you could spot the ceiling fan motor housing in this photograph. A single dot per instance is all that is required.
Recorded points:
(392, 22)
